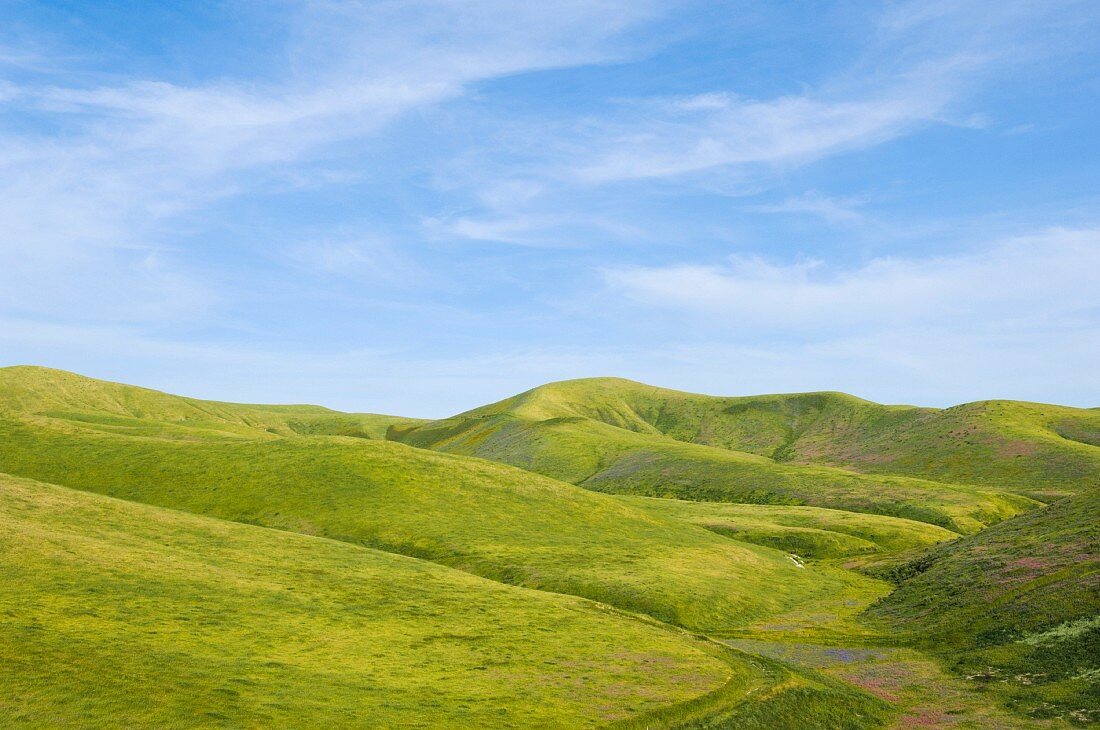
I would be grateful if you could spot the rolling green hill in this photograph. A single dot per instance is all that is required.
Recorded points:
(1016, 607)
(538, 562)
(609, 446)
(127, 409)
(1035, 449)
(490, 519)
(134, 616)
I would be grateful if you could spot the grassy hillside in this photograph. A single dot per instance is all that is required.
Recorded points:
(1041, 450)
(486, 518)
(1037, 449)
(572, 496)
(1015, 608)
(811, 533)
(127, 409)
(134, 616)
(628, 458)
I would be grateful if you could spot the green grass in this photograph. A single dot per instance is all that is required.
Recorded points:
(609, 458)
(328, 567)
(127, 409)
(964, 469)
(804, 700)
(489, 519)
(913, 683)
(1036, 449)
(811, 533)
(116, 614)
(776, 695)
(1015, 609)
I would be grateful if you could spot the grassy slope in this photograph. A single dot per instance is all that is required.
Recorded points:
(1032, 448)
(486, 518)
(1016, 607)
(594, 433)
(127, 409)
(130, 615)
(810, 532)
(1036, 449)
(267, 465)
(607, 446)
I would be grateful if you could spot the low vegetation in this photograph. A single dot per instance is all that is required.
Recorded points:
(1036, 449)
(614, 450)
(490, 519)
(1015, 609)
(588, 553)
(811, 533)
(134, 616)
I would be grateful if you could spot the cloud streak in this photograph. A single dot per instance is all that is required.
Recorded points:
(125, 160)
(700, 133)
(916, 69)
(1044, 279)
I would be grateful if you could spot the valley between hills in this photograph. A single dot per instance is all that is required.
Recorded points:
(590, 553)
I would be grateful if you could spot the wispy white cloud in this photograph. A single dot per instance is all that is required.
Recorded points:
(543, 230)
(375, 259)
(1038, 281)
(109, 170)
(521, 229)
(923, 366)
(920, 366)
(700, 133)
(85, 207)
(830, 209)
(917, 68)
(378, 379)
(1015, 318)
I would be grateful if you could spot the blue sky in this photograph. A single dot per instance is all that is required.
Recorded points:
(417, 207)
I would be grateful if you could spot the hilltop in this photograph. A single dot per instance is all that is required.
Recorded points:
(128, 409)
(618, 436)
(1029, 448)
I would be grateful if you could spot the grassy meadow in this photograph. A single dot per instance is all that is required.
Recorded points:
(589, 553)
(137, 616)
(485, 518)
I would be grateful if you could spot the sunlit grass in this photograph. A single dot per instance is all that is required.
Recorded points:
(202, 621)
(809, 532)
(1014, 608)
(606, 458)
(116, 614)
(490, 519)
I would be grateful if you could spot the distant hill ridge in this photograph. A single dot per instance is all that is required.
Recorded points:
(1045, 443)
(960, 468)
(65, 395)
(1023, 446)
